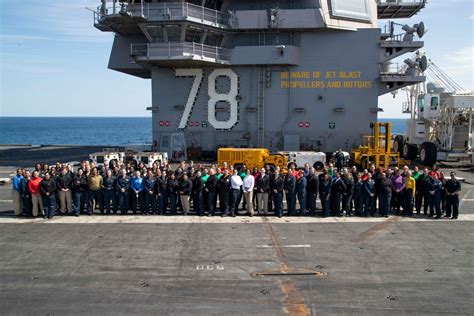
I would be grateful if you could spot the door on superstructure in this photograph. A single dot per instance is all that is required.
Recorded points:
(175, 145)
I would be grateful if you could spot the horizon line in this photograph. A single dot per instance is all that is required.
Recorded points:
(380, 118)
(75, 116)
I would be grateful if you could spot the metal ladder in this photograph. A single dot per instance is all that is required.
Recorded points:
(261, 108)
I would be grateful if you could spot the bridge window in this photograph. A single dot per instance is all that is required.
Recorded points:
(194, 35)
(164, 33)
(421, 103)
(156, 33)
(434, 103)
(173, 32)
(358, 10)
(214, 40)
(212, 4)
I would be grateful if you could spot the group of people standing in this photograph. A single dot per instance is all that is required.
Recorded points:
(397, 191)
(225, 190)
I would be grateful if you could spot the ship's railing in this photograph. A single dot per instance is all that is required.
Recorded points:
(119, 8)
(390, 37)
(394, 9)
(97, 17)
(184, 10)
(139, 50)
(163, 11)
(395, 38)
(392, 68)
(401, 2)
(170, 50)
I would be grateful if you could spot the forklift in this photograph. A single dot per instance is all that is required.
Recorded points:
(377, 149)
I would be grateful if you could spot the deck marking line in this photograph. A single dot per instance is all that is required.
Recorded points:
(463, 199)
(294, 302)
(284, 246)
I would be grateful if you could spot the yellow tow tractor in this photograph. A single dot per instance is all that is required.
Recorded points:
(377, 148)
(251, 157)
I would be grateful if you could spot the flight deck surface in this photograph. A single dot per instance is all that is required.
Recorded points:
(176, 265)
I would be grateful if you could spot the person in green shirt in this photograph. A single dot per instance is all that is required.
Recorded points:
(243, 172)
(205, 194)
(219, 174)
(331, 170)
(205, 176)
(416, 173)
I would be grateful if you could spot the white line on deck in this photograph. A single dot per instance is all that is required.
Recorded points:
(6, 201)
(285, 246)
(463, 198)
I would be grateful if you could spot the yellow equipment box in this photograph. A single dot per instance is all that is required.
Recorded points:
(250, 157)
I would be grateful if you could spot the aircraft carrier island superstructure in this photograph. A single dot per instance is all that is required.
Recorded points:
(285, 75)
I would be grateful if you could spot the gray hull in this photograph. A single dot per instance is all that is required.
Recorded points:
(335, 110)
(290, 75)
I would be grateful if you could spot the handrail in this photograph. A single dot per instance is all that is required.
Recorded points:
(173, 49)
(139, 50)
(392, 68)
(389, 34)
(395, 38)
(118, 7)
(179, 10)
(401, 2)
(163, 11)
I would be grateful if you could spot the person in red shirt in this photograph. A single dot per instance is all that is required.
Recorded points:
(34, 188)
(255, 172)
(294, 172)
(365, 175)
(435, 171)
(224, 166)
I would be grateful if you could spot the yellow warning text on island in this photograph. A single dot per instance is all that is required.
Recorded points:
(323, 80)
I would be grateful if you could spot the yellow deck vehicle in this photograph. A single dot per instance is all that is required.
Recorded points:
(250, 157)
(377, 148)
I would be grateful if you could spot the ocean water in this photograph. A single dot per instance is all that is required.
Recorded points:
(399, 126)
(110, 131)
(91, 131)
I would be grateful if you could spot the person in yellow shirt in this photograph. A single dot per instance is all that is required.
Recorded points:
(409, 193)
(95, 192)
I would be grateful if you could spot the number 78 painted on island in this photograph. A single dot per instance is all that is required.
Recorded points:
(214, 97)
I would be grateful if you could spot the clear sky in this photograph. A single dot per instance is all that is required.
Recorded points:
(54, 62)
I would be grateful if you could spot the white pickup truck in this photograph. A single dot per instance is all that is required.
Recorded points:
(135, 158)
(300, 158)
(149, 158)
(106, 157)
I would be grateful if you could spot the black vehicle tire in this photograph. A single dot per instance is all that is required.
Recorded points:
(318, 165)
(271, 166)
(238, 166)
(398, 144)
(428, 154)
(132, 162)
(410, 151)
